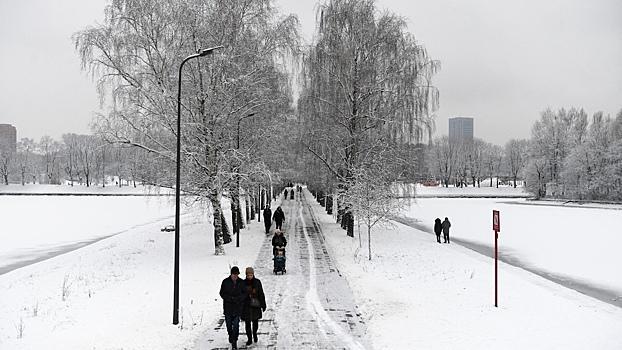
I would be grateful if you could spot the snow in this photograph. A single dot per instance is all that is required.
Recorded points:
(413, 294)
(418, 294)
(34, 226)
(575, 242)
(119, 290)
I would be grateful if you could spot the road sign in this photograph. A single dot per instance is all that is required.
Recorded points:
(496, 225)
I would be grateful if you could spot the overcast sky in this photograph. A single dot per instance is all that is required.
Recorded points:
(502, 62)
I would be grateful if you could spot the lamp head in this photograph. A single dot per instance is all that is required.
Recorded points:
(209, 51)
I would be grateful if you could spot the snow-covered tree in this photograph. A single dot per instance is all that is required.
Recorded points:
(516, 152)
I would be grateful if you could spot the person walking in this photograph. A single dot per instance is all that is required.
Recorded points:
(285, 194)
(253, 306)
(438, 227)
(278, 218)
(267, 218)
(233, 292)
(278, 240)
(446, 226)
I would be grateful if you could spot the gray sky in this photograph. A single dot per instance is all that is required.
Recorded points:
(503, 62)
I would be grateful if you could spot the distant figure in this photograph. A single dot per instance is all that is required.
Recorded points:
(292, 194)
(278, 218)
(438, 228)
(233, 293)
(278, 241)
(446, 226)
(285, 194)
(254, 304)
(267, 218)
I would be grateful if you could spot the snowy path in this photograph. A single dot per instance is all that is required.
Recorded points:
(311, 306)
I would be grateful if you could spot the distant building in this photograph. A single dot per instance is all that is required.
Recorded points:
(461, 129)
(8, 138)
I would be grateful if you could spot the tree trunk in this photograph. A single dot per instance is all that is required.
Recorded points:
(217, 211)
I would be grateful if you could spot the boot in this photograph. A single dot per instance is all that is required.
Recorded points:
(234, 345)
(249, 342)
(255, 337)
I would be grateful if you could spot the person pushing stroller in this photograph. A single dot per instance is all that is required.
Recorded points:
(278, 251)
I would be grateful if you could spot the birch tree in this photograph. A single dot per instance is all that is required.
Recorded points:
(135, 55)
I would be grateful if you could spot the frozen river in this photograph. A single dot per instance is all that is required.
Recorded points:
(33, 228)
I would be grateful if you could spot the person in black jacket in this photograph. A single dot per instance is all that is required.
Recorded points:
(254, 304)
(233, 292)
(285, 194)
(446, 226)
(278, 218)
(267, 218)
(278, 240)
(438, 227)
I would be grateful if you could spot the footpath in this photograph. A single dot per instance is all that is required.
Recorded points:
(309, 307)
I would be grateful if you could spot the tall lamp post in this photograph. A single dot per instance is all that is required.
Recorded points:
(237, 175)
(200, 53)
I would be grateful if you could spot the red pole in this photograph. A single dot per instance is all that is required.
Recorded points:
(496, 237)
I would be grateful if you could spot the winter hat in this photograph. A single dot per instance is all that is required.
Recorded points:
(235, 270)
(250, 270)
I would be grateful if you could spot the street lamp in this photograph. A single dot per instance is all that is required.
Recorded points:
(237, 175)
(200, 53)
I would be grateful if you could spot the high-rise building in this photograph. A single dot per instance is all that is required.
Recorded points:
(461, 129)
(8, 138)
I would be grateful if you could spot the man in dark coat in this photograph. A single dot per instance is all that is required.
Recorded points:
(291, 196)
(278, 240)
(254, 304)
(278, 217)
(267, 218)
(446, 226)
(286, 194)
(438, 227)
(233, 292)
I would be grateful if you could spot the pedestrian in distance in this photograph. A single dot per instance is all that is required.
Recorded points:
(253, 306)
(292, 193)
(278, 218)
(267, 218)
(233, 292)
(446, 226)
(438, 227)
(278, 241)
(285, 196)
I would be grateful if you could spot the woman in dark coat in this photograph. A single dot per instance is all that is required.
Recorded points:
(252, 309)
(278, 240)
(438, 227)
(278, 218)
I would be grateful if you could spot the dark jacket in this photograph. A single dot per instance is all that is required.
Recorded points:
(438, 226)
(285, 193)
(446, 226)
(279, 241)
(253, 289)
(233, 295)
(267, 215)
(278, 216)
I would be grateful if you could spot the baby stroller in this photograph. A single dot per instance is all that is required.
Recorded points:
(279, 260)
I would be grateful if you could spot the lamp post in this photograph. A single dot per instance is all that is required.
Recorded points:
(200, 53)
(237, 175)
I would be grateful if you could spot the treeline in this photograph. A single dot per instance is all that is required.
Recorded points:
(75, 159)
(569, 155)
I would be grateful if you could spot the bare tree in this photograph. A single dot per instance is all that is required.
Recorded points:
(516, 157)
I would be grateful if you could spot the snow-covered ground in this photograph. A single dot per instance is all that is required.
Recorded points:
(574, 242)
(34, 226)
(418, 294)
(79, 189)
(117, 292)
(483, 190)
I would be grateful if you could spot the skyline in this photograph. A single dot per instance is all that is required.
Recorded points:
(495, 66)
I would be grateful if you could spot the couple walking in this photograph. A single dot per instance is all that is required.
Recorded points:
(242, 299)
(442, 227)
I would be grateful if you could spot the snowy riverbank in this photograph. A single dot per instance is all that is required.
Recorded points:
(418, 294)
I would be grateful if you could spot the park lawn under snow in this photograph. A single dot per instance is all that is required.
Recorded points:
(575, 242)
(418, 294)
(118, 291)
